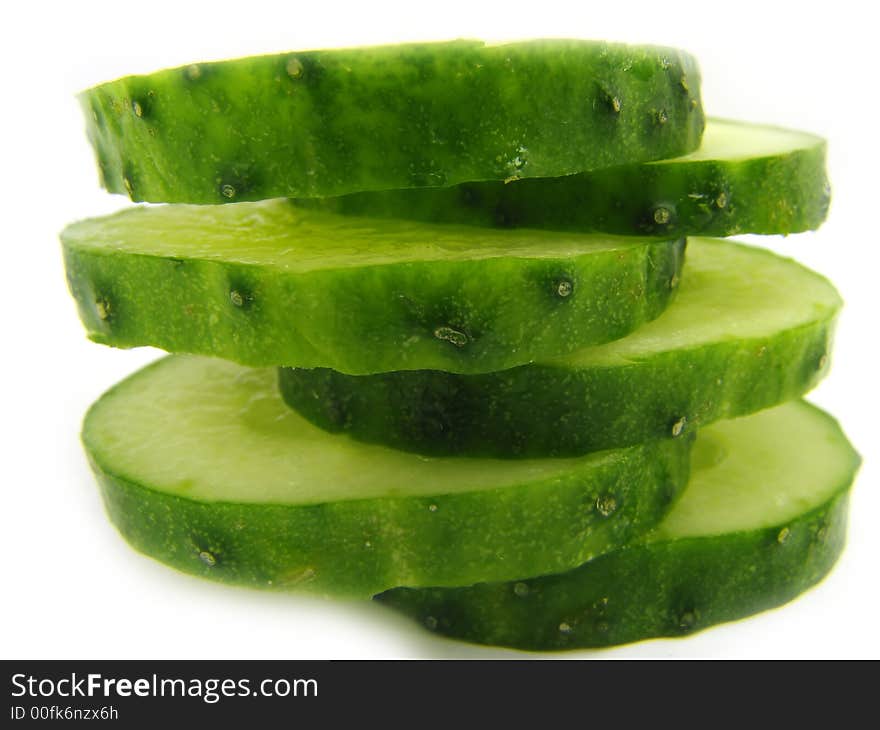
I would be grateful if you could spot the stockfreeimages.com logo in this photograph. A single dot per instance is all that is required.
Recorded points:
(209, 690)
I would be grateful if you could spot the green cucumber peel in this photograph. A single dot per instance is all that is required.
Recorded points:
(744, 178)
(203, 467)
(319, 123)
(748, 330)
(762, 520)
(271, 284)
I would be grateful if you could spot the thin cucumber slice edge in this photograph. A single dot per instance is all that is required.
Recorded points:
(268, 283)
(203, 467)
(744, 178)
(318, 123)
(748, 330)
(763, 519)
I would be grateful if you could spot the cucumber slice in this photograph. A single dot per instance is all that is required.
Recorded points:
(748, 330)
(203, 467)
(323, 123)
(763, 519)
(270, 284)
(744, 178)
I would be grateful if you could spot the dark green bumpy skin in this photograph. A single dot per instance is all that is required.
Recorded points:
(690, 573)
(641, 592)
(321, 123)
(565, 407)
(359, 547)
(772, 193)
(358, 301)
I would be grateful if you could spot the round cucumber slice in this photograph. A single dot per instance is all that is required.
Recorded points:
(763, 519)
(319, 123)
(748, 330)
(270, 284)
(744, 178)
(203, 467)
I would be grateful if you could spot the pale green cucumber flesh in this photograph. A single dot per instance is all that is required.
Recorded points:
(748, 330)
(270, 284)
(202, 466)
(744, 178)
(762, 519)
(321, 123)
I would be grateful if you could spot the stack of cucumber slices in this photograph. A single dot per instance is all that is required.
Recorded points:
(449, 334)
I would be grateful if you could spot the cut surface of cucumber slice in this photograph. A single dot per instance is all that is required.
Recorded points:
(744, 178)
(331, 122)
(763, 519)
(203, 467)
(270, 284)
(748, 330)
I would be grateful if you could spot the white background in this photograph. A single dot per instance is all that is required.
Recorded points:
(72, 588)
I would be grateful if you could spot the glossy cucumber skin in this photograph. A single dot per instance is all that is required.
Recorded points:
(662, 589)
(360, 547)
(558, 408)
(538, 410)
(321, 123)
(772, 194)
(459, 316)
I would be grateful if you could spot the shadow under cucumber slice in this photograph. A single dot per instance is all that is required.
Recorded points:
(744, 178)
(202, 466)
(330, 122)
(267, 284)
(763, 519)
(748, 330)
